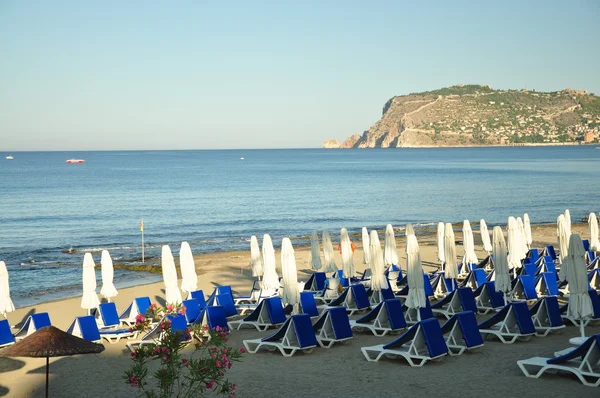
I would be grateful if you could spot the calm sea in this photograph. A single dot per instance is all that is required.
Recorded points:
(216, 200)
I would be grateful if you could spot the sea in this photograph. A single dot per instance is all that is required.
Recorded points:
(51, 212)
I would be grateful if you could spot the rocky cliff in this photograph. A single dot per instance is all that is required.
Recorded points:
(466, 115)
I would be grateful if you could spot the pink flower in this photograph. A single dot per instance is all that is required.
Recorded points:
(181, 310)
(185, 362)
(169, 308)
(233, 387)
(210, 384)
(133, 381)
(218, 329)
(218, 363)
(242, 350)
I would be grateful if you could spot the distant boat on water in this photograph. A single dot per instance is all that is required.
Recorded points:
(75, 161)
(9, 157)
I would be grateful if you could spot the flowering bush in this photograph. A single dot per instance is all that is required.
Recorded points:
(176, 375)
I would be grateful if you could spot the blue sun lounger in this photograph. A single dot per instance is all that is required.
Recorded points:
(107, 316)
(385, 318)
(6, 336)
(32, 324)
(462, 333)
(421, 343)
(308, 305)
(549, 251)
(85, 327)
(225, 300)
(474, 279)
(487, 298)
(509, 324)
(296, 334)
(595, 307)
(534, 255)
(178, 325)
(192, 310)
(268, 313)
(212, 316)
(460, 300)
(545, 315)
(333, 326)
(442, 286)
(545, 284)
(199, 296)
(582, 361)
(528, 268)
(524, 289)
(354, 298)
(138, 306)
(316, 282)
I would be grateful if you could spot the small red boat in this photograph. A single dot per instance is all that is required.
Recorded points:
(75, 161)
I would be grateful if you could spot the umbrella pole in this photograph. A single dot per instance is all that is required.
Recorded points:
(581, 328)
(47, 372)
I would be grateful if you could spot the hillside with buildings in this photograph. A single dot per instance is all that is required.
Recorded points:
(471, 115)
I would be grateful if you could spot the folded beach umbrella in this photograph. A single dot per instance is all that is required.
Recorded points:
(440, 243)
(502, 273)
(580, 304)
(468, 244)
(108, 288)
(414, 274)
(346, 246)
(378, 278)
(89, 300)
(169, 272)
(485, 236)
(315, 252)
(6, 304)
(189, 278)
(255, 259)
(563, 242)
(451, 269)
(514, 248)
(522, 238)
(593, 222)
(330, 265)
(409, 230)
(270, 277)
(366, 248)
(568, 223)
(527, 227)
(390, 255)
(291, 292)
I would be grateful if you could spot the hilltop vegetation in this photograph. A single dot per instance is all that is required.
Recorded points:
(467, 115)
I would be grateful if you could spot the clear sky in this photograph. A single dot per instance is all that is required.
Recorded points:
(81, 75)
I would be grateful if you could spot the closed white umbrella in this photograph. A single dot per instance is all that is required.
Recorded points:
(291, 293)
(522, 238)
(390, 255)
(255, 258)
(451, 269)
(330, 265)
(440, 243)
(169, 272)
(563, 245)
(527, 227)
(6, 304)
(514, 249)
(414, 273)
(108, 288)
(378, 279)
(502, 273)
(189, 278)
(468, 245)
(580, 304)
(270, 278)
(485, 236)
(409, 230)
(315, 252)
(89, 300)
(593, 223)
(568, 223)
(366, 244)
(346, 246)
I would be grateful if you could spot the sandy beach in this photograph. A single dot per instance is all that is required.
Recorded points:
(339, 371)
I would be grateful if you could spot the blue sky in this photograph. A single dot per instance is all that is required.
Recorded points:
(265, 74)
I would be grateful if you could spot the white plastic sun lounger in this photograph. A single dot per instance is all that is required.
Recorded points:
(386, 317)
(511, 323)
(333, 326)
(296, 334)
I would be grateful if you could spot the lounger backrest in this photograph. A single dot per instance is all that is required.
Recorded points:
(395, 313)
(553, 311)
(359, 294)
(308, 304)
(468, 326)
(496, 298)
(524, 321)
(215, 316)
(88, 328)
(178, 324)
(340, 323)
(109, 314)
(590, 255)
(387, 294)
(467, 300)
(308, 285)
(426, 311)
(405, 337)
(529, 269)
(480, 276)
(142, 303)
(595, 303)
(550, 281)
(586, 244)
(304, 330)
(275, 309)
(320, 278)
(6, 336)
(192, 309)
(551, 252)
(434, 339)
(580, 351)
(226, 301)
(528, 284)
(223, 290)
(533, 254)
(427, 285)
(199, 296)
(40, 320)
